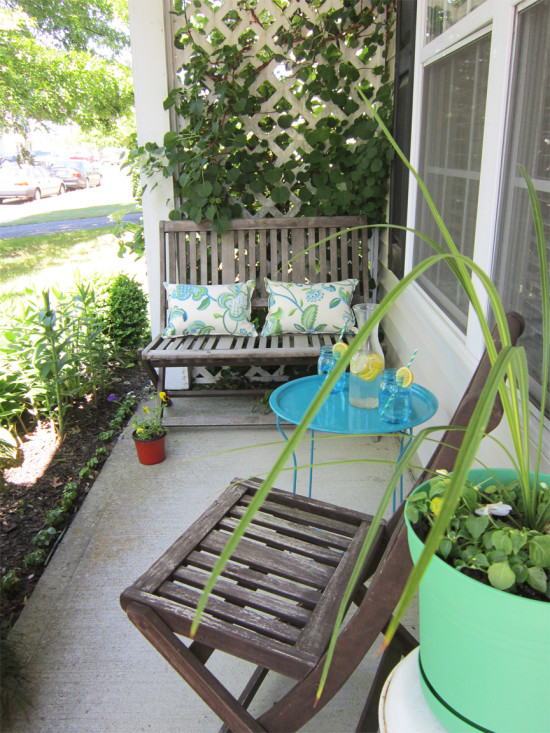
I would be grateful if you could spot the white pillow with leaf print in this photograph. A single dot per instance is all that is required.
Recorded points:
(209, 309)
(309, 307)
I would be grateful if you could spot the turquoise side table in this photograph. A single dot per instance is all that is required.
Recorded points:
(291, 400)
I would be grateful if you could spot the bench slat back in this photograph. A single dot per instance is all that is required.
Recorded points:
(254, 249)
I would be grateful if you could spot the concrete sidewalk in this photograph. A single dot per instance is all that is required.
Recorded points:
(89, 669)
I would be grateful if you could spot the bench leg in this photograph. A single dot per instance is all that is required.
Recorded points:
(200, 679)
(151, 373)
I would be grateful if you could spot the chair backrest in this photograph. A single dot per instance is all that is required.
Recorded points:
(253, 249)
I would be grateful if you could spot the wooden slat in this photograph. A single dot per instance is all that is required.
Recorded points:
(271, 561)
(215, 275)
(219, 609)
(322, 256)
(203, 259)
(298, 265)
(284, 257)
(174, 556)
(289, 612)
(316, 636)
(250, 578)
(333, 261)
(344, 256)
(295, 530)
(228, 257)
(193, 258)
(285, 542)
(304, 517)
(262, 256)
(241, 258)
(227, 637)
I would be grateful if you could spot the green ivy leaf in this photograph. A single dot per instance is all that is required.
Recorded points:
(280, 195)
(203, 189)
(285, 121)
(272, 175)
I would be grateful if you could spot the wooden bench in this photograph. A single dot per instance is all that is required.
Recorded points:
(252, 250)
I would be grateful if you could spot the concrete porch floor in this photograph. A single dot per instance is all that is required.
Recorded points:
(89, 669)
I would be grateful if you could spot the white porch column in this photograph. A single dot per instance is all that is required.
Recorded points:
(148, 41)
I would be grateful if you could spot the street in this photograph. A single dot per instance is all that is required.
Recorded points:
(116, 189)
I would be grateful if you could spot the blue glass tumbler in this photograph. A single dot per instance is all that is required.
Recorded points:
(395, 402)
(326, 363)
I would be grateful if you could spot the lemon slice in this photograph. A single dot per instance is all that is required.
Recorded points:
(340, 347)
(367, 367)
(358, 363)
(404, 376)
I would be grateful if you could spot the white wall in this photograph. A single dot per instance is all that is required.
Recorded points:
(147, 34)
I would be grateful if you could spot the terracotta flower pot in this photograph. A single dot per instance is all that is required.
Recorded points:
(150, 451)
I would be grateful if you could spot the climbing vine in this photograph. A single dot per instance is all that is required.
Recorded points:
(239, 143)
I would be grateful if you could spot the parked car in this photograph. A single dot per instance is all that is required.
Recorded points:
(77, 173)
(28, 182)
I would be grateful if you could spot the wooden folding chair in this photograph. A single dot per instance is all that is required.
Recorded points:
(277, 599)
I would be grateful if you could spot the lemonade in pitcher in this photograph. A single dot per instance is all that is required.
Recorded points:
(367, 365)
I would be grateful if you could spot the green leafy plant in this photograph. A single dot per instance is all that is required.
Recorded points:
(484, 538)
(149, 425)
(127, 317)
(339, 161)
(508, 378)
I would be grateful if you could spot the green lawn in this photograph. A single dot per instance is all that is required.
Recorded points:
(67, 214)
(25, 256)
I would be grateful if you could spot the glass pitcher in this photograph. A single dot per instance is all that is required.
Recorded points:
(367, 365)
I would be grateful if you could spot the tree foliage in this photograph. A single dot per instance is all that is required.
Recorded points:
(59, 62)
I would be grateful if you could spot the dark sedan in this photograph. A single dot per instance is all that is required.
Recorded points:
(77, 173)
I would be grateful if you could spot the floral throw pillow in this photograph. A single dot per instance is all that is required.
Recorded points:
(209, 309)
(309, 307)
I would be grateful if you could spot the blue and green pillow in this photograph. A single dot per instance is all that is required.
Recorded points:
(309, 307)
(209, 310)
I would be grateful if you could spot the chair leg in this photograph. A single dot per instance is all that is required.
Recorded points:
(200, 679)
(247, 695)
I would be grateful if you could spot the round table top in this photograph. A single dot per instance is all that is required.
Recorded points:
(291, 400)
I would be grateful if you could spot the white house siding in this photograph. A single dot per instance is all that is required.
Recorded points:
(446, 357)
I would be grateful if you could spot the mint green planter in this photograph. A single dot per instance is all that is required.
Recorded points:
(484, 654)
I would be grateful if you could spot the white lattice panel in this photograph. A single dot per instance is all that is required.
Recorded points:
(264, 17)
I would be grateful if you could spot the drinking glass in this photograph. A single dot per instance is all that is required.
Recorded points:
(326, 363)
(395, 402)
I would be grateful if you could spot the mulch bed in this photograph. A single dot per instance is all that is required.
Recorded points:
(37, 486)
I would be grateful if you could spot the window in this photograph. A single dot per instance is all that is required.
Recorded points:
(516, 271)
(453, 116)
(442, 14)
